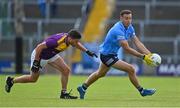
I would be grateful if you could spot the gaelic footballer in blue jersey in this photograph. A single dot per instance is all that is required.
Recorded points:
(116, 38)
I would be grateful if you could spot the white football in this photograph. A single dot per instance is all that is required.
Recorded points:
(156, 59)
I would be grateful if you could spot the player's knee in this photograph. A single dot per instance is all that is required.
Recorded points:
(34, 79)
(131, 70)
(67, 71)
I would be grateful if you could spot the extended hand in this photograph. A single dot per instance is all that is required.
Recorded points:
(147, 59)
(92, 54)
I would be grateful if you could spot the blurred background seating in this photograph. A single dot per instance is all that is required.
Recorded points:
(157, 22)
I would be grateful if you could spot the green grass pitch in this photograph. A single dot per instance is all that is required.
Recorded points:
(106, 92)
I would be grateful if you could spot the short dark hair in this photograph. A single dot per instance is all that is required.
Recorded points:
(74, 34)
(125, 12)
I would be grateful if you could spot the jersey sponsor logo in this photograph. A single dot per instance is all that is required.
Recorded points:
(121, 37)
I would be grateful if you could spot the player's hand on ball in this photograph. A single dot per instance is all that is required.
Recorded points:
(36, 65)
(92, 54)
(147, 59)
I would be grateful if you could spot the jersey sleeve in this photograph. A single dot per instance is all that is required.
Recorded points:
(51, 43)
(120, 35)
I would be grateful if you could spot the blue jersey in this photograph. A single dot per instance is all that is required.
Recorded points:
(117, 33)
(41, 1)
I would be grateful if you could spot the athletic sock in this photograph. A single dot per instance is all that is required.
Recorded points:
(84, 86)
(63, 91)
(12, 81)
(140, 88)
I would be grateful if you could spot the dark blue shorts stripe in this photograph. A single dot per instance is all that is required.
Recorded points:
(109, 59)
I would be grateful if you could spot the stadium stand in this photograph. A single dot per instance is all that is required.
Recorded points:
(165, 12)
(35, 25)
(138, 11)
(98, 15)
(153, 20)
(157, 23)
(161, 30)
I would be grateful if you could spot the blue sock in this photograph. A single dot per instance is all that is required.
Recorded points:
(140, 88)
(84, 86)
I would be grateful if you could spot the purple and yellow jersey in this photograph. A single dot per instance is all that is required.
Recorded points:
(55, 43)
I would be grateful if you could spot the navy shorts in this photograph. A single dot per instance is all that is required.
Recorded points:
(109, 59)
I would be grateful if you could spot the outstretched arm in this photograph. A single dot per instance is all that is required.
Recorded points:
(130, 50)
(140, 45)
(145, 57)
(82, 48)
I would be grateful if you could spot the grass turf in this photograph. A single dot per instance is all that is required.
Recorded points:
(106, 92)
